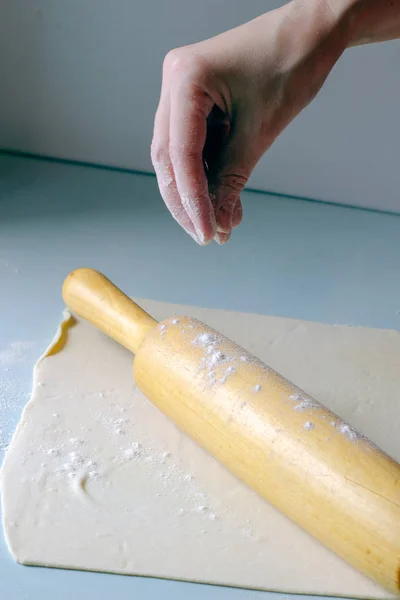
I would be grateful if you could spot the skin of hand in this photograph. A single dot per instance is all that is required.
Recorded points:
(225, 100)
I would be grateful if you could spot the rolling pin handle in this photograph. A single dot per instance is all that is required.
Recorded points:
(92, 296)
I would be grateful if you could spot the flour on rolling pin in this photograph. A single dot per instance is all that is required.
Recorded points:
(220, 366)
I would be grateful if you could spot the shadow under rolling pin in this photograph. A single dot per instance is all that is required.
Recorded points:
(345, 492)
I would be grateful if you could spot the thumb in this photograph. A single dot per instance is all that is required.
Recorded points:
(234, 169)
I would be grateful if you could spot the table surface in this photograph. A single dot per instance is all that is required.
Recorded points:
(289, 258)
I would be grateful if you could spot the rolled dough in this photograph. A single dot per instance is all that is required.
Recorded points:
(97, 478)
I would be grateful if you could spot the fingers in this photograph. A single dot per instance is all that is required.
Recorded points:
(202, 161)
(235, 165)
(222, 238)
(163, 167)
(190, 107)
(237, 214)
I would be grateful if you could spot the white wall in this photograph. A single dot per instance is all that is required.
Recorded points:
(80, 79)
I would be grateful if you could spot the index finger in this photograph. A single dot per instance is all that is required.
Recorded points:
(188, 130)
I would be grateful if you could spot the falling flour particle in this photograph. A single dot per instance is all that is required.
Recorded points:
(175, 321)
(163, 328)
(257, 388)
(202, 509)
(308, 426)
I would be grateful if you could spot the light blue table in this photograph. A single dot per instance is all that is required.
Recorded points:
(289, 257)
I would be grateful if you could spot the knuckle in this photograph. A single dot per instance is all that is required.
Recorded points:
(233, 182)
(158, 153)
(185, 62)
(172, 59)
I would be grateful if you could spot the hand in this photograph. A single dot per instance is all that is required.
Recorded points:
(225, 100)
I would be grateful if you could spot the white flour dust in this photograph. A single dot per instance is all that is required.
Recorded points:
(15, 353)
(304, 402)
(74, 459)
(14, 385)
(215, 359)
(163, 173)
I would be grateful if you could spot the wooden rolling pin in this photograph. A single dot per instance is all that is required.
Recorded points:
(293, 451)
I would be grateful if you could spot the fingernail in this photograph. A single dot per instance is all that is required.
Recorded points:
(224, 219)
(198, 237)
(201, 239)
(194, 216)
(193, 236)
(237, 214)
(222, 237)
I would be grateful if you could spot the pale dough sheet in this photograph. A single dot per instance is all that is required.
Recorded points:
(97, 478)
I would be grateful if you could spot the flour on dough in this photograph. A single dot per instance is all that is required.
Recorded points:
(97, 478)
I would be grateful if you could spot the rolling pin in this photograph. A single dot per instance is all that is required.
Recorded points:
(293, 451)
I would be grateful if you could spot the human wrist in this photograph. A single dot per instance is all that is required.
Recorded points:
(325, 19)
(375, 21)
(313, 36)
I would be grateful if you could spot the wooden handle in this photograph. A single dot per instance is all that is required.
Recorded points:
(93, 297)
